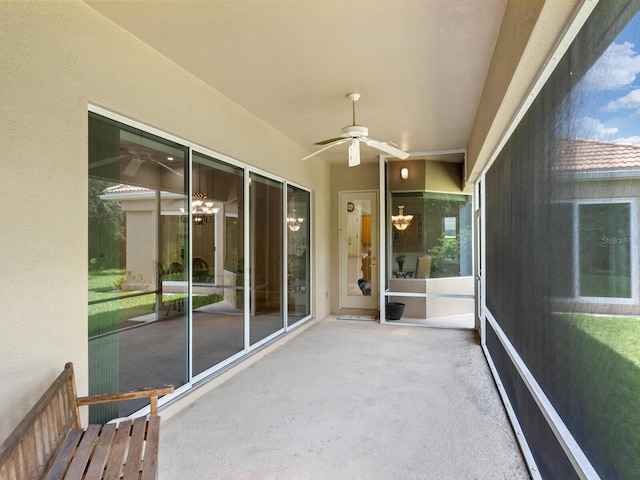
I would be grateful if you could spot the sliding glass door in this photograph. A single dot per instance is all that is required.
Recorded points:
(267, 316)
(169, 258)
(298, 259)
(216, 263)
(136, 323)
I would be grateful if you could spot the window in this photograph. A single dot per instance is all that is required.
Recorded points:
(603, 264)
(595, 251)
(440, 228)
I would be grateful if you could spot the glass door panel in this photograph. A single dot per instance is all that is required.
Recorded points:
(298, 260)
(136, 320)
(358, 247)
(266, 246)
(216, 265)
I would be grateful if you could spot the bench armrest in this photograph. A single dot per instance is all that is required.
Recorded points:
(150, 393)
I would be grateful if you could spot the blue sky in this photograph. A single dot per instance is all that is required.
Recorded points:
(607, 99)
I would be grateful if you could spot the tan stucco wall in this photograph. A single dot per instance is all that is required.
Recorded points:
(425, 175)
(57, 57)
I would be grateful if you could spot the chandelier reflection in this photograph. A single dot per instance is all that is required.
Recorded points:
(294, 223)
(202, 210)
(401, 221)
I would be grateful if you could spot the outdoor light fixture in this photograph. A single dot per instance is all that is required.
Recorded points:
(401, 221)
(202, 210)
(294, 223)
(404, 173)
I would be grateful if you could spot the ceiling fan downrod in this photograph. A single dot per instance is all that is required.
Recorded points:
(354, 97)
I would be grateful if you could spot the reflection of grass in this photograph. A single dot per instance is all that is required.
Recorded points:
(621, 334)
(102, 284)
(601, 367)
(114, 314)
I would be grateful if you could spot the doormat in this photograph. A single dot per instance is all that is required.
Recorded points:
(365, 318)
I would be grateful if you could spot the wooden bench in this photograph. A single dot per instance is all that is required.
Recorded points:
(49, 442)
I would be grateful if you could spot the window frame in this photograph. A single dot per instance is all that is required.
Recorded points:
(633, 229)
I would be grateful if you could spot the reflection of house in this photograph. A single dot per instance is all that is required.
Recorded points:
(143, 217)
(586, 159)
(139, 206)
(598, 250)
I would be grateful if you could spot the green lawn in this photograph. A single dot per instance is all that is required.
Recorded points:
(116, 312)
(620, 334)
(601, 366)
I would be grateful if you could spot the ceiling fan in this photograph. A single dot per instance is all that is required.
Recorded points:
(356, 134)
(136, 159)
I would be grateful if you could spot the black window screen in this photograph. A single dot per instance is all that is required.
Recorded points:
(562, 247)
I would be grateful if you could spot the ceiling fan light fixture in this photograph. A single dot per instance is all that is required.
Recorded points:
(354, 153)
(356, 134)
(354, 131)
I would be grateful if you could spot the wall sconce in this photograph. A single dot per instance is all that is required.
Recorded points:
(401, 221)
(404, 173)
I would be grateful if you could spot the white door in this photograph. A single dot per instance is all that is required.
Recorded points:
(359, 250)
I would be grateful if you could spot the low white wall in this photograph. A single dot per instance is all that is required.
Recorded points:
(433, 307)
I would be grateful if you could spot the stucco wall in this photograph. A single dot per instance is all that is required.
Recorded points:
(57, 57)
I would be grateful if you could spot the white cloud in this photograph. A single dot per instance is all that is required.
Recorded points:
(617, 67)
(630, 100)
(587, 127)
(635, 140)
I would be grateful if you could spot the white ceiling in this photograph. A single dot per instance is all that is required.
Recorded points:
(419, 65)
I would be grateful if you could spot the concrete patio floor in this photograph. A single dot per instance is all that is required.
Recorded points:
(349, 399)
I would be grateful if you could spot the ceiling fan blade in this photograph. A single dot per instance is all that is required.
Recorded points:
(105, 161)
(354, 153)
(132, 167)
(325, 142)
(339, 141)
(173, 170)
(386, 147)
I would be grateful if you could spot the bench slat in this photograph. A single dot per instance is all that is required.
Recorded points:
(61, 462)
(136, 449)
(150, 466)
(118, 451)
(83, 453)
(99, 459)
